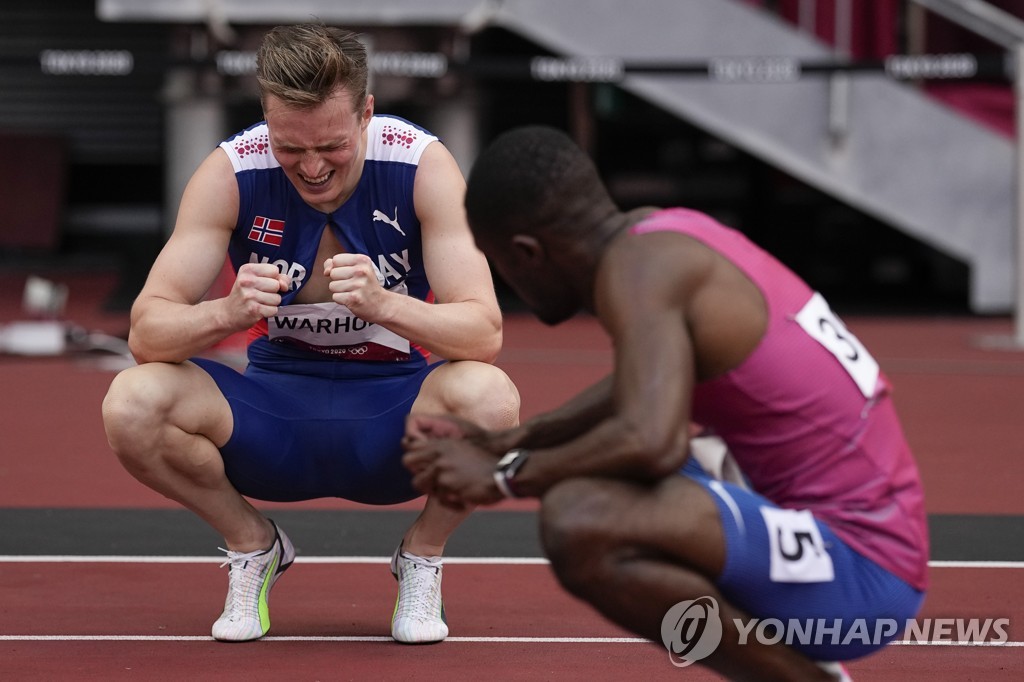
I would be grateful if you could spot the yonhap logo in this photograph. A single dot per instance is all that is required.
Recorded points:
(691, 630)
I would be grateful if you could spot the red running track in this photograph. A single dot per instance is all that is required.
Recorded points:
(960, 403)
(350, 605)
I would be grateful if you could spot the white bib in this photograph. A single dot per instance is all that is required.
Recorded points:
(334, 330)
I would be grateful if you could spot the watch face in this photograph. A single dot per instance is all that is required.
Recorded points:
(508, 458)
(505, 472)
(516, 463)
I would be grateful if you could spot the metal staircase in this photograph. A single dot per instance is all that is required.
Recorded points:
(876, 144)
(902, 157)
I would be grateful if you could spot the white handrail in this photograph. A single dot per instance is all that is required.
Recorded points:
(1007, 31)
(988, 21)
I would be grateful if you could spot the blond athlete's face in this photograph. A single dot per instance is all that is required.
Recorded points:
(320, 149)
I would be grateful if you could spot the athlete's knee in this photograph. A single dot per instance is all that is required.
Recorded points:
(475, 391)
(485, 395)
(577, 532)
(134, 403)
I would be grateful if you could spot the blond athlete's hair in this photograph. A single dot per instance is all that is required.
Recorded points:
(304, 64)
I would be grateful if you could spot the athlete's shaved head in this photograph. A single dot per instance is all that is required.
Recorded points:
(534, 179)
(539, 211)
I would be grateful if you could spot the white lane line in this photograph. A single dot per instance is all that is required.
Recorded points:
(130, 559)
(472, 640)
(498, 561)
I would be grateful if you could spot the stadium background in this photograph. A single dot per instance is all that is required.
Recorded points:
(88, 182)
(99, 145)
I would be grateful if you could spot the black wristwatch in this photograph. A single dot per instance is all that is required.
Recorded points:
(505, 472)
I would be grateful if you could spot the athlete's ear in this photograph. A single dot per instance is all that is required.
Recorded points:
(528, 249)
(367, 111)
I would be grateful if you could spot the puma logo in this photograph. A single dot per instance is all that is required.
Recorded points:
(393, 222)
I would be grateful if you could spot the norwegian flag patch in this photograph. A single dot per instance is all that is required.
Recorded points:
(267, 231)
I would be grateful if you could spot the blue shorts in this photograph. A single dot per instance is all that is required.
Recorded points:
(300, 437)
(787, 568)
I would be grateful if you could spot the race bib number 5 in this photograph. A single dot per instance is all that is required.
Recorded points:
(818, 320)
(798, 552)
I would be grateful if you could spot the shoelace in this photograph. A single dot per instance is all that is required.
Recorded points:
(424, 596)
(238, 562)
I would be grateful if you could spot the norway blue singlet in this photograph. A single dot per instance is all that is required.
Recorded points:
(321, 407)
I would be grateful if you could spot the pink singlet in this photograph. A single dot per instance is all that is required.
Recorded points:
(808, 415)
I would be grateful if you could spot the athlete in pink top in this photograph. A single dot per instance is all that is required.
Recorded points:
(829, 537)
(808, 415)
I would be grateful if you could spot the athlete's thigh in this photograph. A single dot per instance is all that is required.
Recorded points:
(789, 565)
(675, 517)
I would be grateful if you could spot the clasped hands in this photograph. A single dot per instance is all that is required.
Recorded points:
(452, 460)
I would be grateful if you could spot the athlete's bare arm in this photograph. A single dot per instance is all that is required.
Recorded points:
(465, 324)
(551, 428)
(642, 294)
(575, 417)
(170, 321)
(675, 312)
